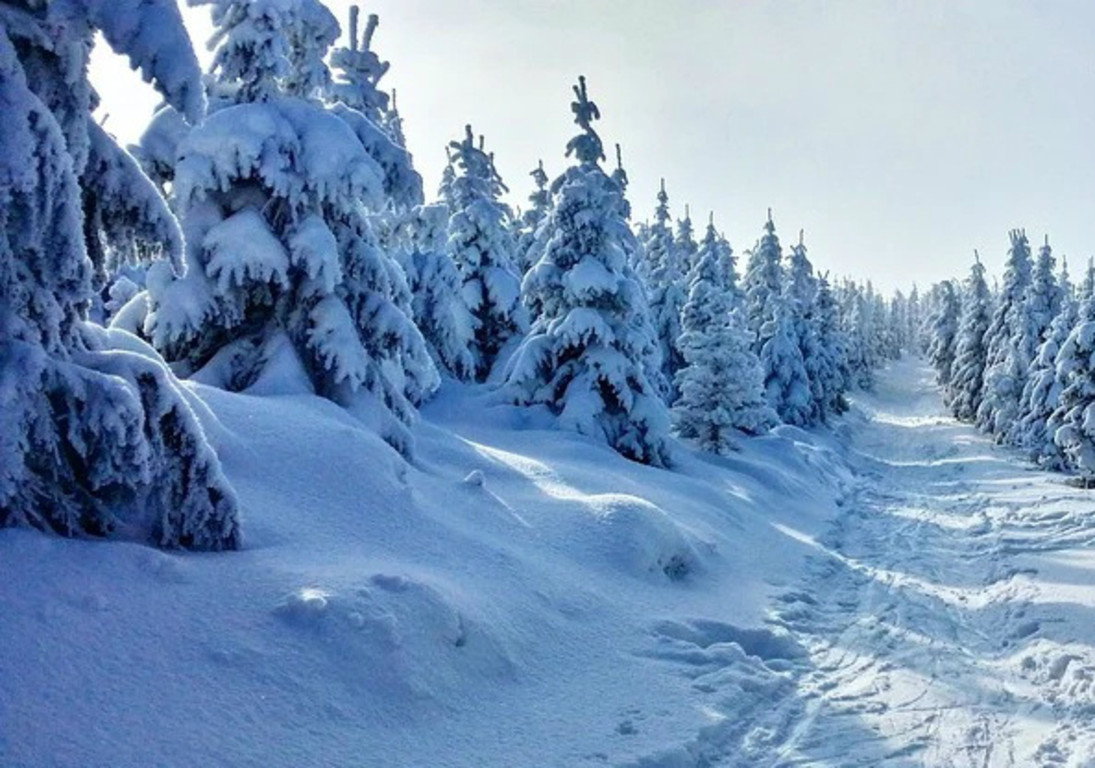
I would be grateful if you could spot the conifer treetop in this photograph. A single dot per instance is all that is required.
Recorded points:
(586, 146)
(361, 69)
(539, 175)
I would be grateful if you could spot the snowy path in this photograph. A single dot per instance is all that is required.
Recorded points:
(948, 618)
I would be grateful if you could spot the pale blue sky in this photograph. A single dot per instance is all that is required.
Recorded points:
(900, 135)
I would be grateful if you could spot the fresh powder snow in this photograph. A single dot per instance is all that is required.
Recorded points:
(300, 466)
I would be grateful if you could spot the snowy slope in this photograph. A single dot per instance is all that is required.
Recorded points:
(517, 597)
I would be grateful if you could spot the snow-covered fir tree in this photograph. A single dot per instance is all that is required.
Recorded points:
(819, 362)
(857, 324)
(96, 437)
(586, 356)
(619, 175)
(944, 333)
(665, 287)
(286, 272)
(786, 383)
(1041, 304)
(763, 278)
(435, 284)
(722, 385)
(448, 175)
(971, 347)
(267, 50)
(393, 122)
(684, 242)
(914, 321)
(833, 375)
(1042, 392)
(1006, 363)
(368, 110)
(528, 245)
(481, 246)
(1071, 425)
(360, 70)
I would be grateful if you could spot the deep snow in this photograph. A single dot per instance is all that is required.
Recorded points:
(900, 593)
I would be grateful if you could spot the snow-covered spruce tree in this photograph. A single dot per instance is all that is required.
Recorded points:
(368, 111)
(722, 385)
(528, 246)
(818, 361)
(1042, 392)
(95, 436)
(729, 261)
(896, 319)
(1006, 363)
(763, 278)
(685, 242)
(448, 176)
(881, 341)
(834, 376)
(619, 175)
(914, 320)
(1040, 306)
(481, 246)
(393, 123)
(665, 287)
(286, 272)
(586, 355)
(435, 283)
(855, 313)
(971, 351)
(944, 333)
(1071, 425)
(786, 383)
(360, 71)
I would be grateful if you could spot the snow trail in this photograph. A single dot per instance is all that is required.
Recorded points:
(947, 618)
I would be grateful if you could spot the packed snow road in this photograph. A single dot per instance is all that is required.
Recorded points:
(948, 617)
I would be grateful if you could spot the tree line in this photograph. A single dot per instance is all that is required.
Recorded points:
(270, 225)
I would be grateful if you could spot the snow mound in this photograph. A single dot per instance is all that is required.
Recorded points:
(402, 633)
(639, 538)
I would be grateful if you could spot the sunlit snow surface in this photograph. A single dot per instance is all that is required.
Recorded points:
(524, 597)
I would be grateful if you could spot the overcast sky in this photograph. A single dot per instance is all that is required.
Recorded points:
(900, 135)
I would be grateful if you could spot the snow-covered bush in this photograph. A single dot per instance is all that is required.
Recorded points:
(586, 356)
(96, 437)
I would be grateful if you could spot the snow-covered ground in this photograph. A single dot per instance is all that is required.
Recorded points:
(950, 613)
(901, 593)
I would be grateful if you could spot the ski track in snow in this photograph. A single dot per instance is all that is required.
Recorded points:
(947, 618)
